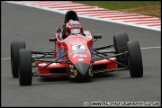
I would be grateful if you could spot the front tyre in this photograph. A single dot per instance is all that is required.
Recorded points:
(15, 47)
(135, 59)
(120, 46)
(25, 67)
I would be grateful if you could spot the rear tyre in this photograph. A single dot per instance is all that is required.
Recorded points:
(25, 67)
(120, 45)
(15, 47)
(135, 59)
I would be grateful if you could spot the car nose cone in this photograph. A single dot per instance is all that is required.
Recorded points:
(82, 68)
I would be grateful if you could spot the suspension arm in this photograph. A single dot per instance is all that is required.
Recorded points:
(109, 46)
(109, 58)
(51, 63)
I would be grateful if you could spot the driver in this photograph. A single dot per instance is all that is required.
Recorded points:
(72, 27)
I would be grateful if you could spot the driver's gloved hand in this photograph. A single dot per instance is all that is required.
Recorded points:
(58, 30)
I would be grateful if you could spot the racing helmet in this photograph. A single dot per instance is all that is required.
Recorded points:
(73, 27)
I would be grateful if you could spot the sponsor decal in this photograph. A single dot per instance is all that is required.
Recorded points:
(79, 48)
(61, 53)
(81, 59)
(79, 51)
(80, 55)
(76, 47)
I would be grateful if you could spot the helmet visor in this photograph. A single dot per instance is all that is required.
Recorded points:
(75, 31)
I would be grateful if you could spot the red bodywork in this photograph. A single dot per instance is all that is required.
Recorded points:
(78, 49)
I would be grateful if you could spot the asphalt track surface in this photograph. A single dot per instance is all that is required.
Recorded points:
(35, 27)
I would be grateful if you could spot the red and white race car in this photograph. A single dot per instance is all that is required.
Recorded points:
(75, 57)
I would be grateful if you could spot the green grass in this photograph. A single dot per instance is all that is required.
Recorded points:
(152, 8)
(116, 5)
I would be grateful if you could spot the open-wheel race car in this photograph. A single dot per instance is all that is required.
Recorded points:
(74, 56)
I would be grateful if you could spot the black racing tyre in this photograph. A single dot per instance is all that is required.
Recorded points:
(120, 45)
(15, 47)
(25, 67)
(135, 59)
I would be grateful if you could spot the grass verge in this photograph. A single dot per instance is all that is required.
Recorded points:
(151, 8)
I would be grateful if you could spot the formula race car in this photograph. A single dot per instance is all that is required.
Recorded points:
(75, 57)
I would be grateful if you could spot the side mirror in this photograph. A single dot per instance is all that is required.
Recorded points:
(97, 36)
(53, 40)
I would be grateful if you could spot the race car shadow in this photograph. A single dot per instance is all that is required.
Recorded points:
(53, 79)
(95, 76)
(49, 80)
(99, 75)
(81, 80)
